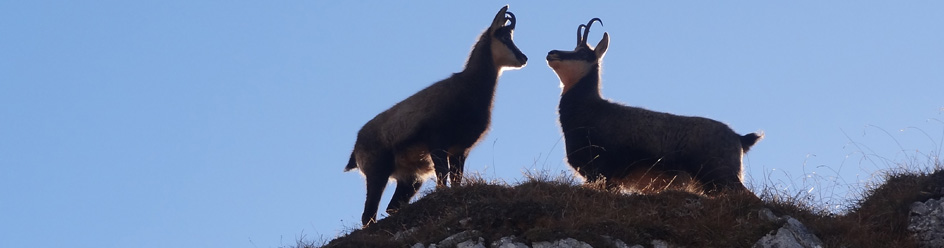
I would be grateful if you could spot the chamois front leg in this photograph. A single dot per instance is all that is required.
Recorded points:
(595, 177)
(440, 159)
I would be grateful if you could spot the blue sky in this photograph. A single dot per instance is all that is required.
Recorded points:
(228, 124)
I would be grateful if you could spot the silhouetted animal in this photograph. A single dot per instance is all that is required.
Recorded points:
(633, 147)
(434, 129)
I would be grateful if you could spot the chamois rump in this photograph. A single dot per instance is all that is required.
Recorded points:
(634, 148)
(434, 129)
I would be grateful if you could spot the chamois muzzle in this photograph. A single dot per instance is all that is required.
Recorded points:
(553, 55)
(522, 59)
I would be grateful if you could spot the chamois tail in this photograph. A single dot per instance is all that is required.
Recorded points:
(351, 164)
(750, 139)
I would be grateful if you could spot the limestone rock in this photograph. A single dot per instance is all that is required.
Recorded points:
(456, 239)
(792, 234)
(927, 222)
(404, 234)
(618, 243)
(472, 243)
(507, 242)
(659, 244)
(563, 243)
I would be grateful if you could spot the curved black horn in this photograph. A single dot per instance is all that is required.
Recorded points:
(579, 40)
(587, 31)
(511, 18)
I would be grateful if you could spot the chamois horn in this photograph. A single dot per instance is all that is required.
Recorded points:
(511, 19)
(586, 32)
(579, 39)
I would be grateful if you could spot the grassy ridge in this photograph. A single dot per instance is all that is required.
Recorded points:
(543, 209)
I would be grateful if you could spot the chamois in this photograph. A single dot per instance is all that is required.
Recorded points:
(434, 129)
(630, 147)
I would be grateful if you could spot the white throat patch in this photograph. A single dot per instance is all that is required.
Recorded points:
(569, 71)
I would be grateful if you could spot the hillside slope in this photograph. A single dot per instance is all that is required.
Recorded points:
(549, 210)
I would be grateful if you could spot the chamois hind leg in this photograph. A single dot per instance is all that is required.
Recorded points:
(457, 158)
(406, 189)
(440, 159)
(412, 164)
(375, 188)
(379, 167)
(716, 179)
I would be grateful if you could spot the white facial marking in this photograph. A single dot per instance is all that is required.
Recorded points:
(504, 57)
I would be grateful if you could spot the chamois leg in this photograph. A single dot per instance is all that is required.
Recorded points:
(456, 167)
(406, 189)
(441, 163)
(594, 177)
(375, 188)
(720, 180)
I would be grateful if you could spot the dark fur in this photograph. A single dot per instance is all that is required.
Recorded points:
(440, 123)
(606, 140)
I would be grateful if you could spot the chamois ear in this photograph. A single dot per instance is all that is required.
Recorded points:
(600, 49)
(499, 20)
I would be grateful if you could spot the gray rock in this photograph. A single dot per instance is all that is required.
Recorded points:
(418, 245)
(766, 214)
(792, 234)
(563, 243)
(404, 234)
(507, 242)
(472, 243)
(659, 244)
(465, 222)
(455, 239)
(921, 208)
(616, 242)
(927, 222)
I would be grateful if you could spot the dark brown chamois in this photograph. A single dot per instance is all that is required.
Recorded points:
(634, 148)
(434, 129)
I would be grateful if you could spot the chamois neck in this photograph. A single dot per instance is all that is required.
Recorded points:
(587, 89)
(480, 65)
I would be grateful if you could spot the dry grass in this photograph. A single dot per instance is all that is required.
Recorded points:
(543, 208)
(879, 218)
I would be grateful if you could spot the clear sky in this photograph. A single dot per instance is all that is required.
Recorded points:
(228, 123)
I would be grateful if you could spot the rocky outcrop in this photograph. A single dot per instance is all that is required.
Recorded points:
(562, 214)
(568, 242)
(792, 234)
(927, 222)
(473, 239)
(508, 242)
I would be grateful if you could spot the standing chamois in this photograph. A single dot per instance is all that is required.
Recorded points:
(434, 129)
(634, 148)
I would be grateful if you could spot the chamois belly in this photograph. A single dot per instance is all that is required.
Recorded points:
(413, 161)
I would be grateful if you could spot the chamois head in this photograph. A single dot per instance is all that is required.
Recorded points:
(504, 52)
(571, 66)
